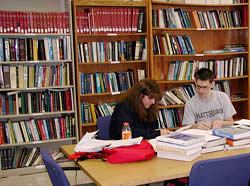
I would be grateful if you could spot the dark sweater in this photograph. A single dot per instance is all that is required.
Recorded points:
(123, 113)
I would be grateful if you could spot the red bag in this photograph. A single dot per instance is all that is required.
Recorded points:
(142, 151)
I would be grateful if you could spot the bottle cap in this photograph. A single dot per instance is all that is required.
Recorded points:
(125, 123)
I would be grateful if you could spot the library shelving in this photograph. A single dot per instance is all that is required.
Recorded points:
(111, 53)
(185, 36)
(37, 80)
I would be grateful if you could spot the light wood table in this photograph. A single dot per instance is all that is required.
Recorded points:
(143, 172)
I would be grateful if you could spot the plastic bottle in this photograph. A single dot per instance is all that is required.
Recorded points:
(126, 131)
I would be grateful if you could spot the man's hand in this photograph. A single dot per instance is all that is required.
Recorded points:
(217, 124)
(164, 132)
(202, 125)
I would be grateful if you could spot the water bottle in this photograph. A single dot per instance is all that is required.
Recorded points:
(126, 131)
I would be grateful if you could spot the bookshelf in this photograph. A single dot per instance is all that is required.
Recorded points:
(111, 52)
(38, 97)
(204, 36)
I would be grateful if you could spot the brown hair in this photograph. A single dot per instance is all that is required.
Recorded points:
(147, 87)
(204, 74)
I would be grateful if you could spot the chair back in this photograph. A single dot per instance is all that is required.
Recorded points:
(56, 174)
(103, 124)
(228, 171)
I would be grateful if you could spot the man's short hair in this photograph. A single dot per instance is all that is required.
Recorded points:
(204, 74)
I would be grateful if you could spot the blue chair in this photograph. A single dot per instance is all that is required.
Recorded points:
(103, 124)
(56, 173)
(228, 171)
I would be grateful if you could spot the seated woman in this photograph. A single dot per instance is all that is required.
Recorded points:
(139, 108)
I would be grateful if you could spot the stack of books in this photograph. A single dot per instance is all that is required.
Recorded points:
(179, 146)
(213, 143)
(238, 136)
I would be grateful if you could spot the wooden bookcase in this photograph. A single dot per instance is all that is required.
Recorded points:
(119, 35)
(71, 134)
(203, 39)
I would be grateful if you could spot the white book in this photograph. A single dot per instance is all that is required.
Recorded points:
(213, 149)
(198, 1)
(181, 138)
(13, 82)
(226, 1)
(165, 149)
(178, 157)
(25, 133)
(209, 1)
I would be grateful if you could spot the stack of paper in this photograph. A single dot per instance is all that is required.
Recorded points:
(89, 144)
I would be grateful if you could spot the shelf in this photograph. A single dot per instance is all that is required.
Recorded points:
(18, 116)
(199, 29)
(203, 55)
(35, 62)
(171, 106)
(33, 34)
(88, 125)
(35, 88)
(102, 94)
(36, 142)
(113, 62)
(112, 34)
(200, 5)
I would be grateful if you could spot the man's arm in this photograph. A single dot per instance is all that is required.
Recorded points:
(222, 123)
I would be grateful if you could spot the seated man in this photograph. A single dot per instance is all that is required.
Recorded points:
(209, 108)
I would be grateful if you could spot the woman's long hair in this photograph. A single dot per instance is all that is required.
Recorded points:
(145, 87)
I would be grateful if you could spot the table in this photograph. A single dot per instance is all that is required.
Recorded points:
(143, 172)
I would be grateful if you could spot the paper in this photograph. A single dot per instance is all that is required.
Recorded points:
(88, 143)
(243, 122)
(127, 142)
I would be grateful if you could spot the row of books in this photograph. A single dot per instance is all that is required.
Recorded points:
(184, 70)
(219, 19)
(169, 118)
(29, 76)
(216, 2)
(181, 95)
(34, 22)
(172, 44)
(110, 20)
(12, 158)
(112, 51)
(179, 18)
(30, 49)
(12, 132)
(108, 82)
(51, 100)
(90, 112)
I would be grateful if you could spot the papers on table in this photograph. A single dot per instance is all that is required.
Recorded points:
(243, 122)
(89, 144)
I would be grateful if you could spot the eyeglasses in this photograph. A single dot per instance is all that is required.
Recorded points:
(204, 88)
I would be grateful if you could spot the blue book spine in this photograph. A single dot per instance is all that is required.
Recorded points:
(222, 134)
(51, 57)
(1, 50)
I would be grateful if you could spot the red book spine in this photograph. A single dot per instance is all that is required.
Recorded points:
(68, 100)
(11, 23)
(64, 30)
(1, 133)
(51, 102)
(33, 28)
(44, 74)
(57, 21)
(127, 16)
(52, 129)
(35, 21)
(67, 21)
(41, 129)
(7, 21)
(7, 105)
(78, 22)
(28, 22)
(45, 22)
(62, 123)
(58, 74)
(1, 21)
(15, 21)
(25, 26)
(4, 21)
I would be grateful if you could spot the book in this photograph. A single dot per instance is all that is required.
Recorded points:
(210, 139)
(178, 157)
(213, 148)
(232, 132)
(181, 138)
(172, 150)
(238, 142)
